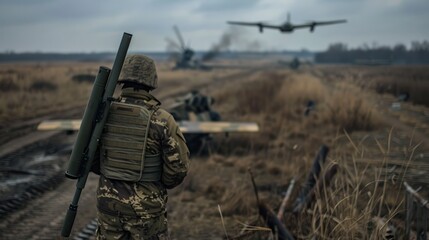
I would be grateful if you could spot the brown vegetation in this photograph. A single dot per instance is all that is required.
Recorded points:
(83, 78)
(42, 85)
(285, 147)
(344, 117)
(31, 90)
(413, 80)
(277, 101)
(8, 85)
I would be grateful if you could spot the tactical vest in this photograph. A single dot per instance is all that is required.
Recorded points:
(123, 144)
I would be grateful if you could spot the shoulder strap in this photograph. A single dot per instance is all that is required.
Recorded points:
(151, 104)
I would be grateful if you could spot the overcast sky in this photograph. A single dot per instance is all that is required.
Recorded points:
(94, 26)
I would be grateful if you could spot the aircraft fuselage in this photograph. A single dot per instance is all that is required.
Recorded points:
(287, 27)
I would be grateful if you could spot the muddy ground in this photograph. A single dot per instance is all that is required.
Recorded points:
(365, 130)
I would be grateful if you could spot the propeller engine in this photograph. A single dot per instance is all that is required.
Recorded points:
(312, 27)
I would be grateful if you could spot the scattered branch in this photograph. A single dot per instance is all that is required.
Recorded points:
(223, 223)
(255, 189)
(285, 199)
(274, 223)
(312, 177)
(423, 202)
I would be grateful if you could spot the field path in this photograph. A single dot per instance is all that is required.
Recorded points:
(41, 217)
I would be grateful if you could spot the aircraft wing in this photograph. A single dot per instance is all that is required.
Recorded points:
(329, 22)
(244, 23)
(185, 126)
(257, 24)
(315, 23)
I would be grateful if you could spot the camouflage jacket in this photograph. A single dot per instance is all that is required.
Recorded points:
(148, 199)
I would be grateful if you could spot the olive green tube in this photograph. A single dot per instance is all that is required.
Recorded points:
(91, 146)
(116, 70)
(69, 220)
(84, 135)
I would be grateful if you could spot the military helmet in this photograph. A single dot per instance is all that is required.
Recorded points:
(139, 69)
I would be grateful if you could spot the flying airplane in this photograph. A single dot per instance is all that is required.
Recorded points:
(287, 27)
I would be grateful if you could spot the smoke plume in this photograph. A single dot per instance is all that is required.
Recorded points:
(231, 35)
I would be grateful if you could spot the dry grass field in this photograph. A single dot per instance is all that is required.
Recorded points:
(375, 147)
(30, 90)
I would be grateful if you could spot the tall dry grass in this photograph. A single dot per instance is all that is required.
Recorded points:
(277, 102)
(348, 109)
(35, 89)
(359, 193)
(347, 208)
(393, 80)
(283, 149)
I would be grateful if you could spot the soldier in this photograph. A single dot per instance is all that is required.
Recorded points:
(142, 153)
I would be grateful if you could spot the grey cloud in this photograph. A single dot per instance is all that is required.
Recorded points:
(415, 7)
(24, 24)
(226, 5)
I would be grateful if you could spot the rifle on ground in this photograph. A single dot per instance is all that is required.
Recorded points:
(91, 128)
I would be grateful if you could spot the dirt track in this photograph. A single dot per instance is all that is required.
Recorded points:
(40, 216)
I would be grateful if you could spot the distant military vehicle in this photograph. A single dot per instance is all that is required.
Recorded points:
(195, 107)
(294, 64)
(194, 114)
(287, 27)
(183, 54)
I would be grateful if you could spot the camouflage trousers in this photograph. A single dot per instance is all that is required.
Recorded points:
(131, 227)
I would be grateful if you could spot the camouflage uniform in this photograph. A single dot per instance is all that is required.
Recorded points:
(137, 210)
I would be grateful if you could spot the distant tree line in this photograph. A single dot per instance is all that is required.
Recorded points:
(418, 53)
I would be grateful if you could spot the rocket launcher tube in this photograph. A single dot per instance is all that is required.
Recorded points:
(96, 133)
(79, 149)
